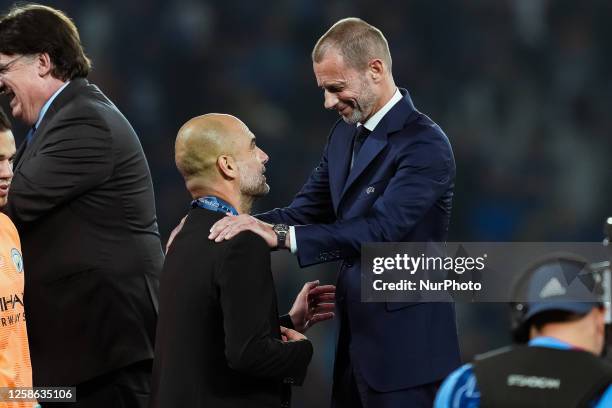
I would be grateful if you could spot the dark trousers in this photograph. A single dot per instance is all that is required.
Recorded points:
(350, 390)
(127, 387)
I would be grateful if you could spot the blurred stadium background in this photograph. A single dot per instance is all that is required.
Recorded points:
(521, 87)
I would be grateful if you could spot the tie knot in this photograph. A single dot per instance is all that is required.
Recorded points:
(362, 132)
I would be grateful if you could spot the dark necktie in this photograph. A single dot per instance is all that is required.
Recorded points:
(360, 136)
(30, 135)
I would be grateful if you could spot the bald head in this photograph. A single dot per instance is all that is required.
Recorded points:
(217, 154)
(202, 140)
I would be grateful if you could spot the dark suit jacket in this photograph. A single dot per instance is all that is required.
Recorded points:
(400, 189)
(218, 335)
(82, 200)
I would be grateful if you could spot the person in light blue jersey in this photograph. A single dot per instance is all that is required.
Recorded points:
(563, 326)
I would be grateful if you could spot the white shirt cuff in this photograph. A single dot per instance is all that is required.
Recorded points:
(293, 240)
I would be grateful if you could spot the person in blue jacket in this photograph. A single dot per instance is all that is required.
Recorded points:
(563, 324)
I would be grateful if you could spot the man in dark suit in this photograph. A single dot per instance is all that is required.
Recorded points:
(218, 340)
(386, 175)
(82, 200)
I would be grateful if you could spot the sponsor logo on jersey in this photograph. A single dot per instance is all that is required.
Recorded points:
(17, 259)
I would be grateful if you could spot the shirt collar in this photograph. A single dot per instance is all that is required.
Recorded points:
(549, 342)
(45, 107)
(377, 117)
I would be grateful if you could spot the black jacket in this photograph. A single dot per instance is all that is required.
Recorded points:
(82, 200)
(218, 338)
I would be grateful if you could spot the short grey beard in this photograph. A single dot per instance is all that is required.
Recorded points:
(248, 196)
(250, 189)
(354, 118)
(254, 188)
(366, 104)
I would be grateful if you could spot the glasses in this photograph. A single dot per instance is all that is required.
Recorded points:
(7, 67)
(4, 68)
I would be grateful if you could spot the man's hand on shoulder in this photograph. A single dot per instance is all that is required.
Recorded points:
(230, 226)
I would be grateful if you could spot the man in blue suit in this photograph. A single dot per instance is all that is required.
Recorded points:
(386, 175)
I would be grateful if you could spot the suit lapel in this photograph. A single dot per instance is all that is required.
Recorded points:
(372, 146)
(27, 150)
(396, 119)
(19, 154)
(339, 157)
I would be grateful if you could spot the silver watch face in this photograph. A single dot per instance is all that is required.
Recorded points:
(280, 228)
(281, 231)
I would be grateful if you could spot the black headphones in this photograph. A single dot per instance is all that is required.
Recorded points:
(519, 309)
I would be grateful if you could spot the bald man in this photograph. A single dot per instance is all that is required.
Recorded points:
(219, 340)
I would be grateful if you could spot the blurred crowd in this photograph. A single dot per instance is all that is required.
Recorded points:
(521, 87)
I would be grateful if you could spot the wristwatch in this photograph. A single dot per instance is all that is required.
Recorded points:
(281, 231)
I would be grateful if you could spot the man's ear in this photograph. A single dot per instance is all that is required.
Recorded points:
(227, 166)
(376, 69)
(600, 316)
(44, 64)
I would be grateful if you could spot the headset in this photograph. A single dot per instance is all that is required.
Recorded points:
(595, 285)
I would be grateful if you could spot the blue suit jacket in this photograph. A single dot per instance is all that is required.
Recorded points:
(400, 189)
